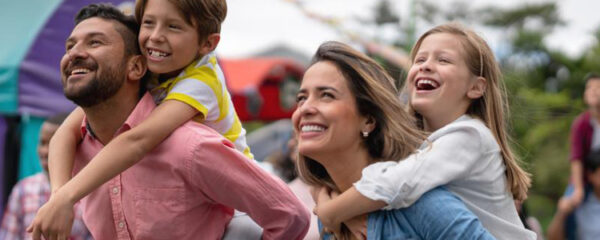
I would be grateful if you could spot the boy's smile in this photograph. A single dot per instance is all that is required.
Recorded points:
(168, 41)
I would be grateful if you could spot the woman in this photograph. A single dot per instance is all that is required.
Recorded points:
(348, 117)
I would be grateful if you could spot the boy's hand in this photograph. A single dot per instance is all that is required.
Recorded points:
(54, 219)
(566, 205)
(577, 196)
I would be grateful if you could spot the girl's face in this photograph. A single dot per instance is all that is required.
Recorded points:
(167, 41)
(327, 119)
(439, 79)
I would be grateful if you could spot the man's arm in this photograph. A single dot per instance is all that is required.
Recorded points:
(556, 229)
(244, 186)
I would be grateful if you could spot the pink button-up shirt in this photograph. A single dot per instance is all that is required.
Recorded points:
(187, 188)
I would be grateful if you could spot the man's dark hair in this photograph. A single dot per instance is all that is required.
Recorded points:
(591, 75)
(592, 161)
(128, 29)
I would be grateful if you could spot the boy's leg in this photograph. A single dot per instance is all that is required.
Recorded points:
(242, 227)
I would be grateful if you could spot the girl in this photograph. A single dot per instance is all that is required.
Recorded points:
(456, 94)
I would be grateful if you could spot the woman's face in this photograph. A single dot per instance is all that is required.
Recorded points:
(326, 120)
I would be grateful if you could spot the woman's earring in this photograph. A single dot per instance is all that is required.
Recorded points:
(365, 134)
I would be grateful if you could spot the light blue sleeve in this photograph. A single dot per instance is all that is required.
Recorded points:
(439, 214)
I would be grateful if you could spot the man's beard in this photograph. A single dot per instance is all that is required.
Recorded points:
(102, 87)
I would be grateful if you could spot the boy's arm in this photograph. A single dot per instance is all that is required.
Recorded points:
(121, 153)
(577, 178)
(62, 149)
(128, 148)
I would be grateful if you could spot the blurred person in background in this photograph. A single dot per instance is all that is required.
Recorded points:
(29, 194)
(586, 214)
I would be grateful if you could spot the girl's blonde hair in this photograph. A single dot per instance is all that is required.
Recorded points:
(492, 108)
(395, 136)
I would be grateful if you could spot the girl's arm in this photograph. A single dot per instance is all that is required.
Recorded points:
(62, 149)
(56, 216)
(400, 184)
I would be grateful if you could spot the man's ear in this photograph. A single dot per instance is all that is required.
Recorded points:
(477, 88)
(136, 67)
(210, 43)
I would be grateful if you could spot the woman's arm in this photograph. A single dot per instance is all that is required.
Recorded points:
(62, 149)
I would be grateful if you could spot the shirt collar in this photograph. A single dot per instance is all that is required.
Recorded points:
(141, 111)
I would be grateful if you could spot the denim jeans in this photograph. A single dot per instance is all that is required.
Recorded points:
(438, 214)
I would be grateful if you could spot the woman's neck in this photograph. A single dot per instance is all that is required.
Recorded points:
(345, 167)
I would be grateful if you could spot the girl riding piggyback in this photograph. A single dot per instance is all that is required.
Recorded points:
(456, 93)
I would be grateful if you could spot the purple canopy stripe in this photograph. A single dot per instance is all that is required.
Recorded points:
(40, 87)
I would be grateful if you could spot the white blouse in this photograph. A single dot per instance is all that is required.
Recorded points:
(465, 157)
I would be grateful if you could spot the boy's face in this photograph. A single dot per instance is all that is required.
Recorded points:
(591, 96)
(46, 132)
(167, 41)
(594, 178)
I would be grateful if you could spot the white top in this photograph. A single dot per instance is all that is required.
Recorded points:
(596, 135)
(465, 157)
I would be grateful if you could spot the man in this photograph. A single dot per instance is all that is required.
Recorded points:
(188, 186)
(30, 193)
(586, 214)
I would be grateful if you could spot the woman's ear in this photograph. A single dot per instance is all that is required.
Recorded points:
(136, 67)
(369, 125)
(209, 44)
(477, 88)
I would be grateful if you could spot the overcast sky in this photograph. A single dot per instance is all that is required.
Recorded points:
(252, 26)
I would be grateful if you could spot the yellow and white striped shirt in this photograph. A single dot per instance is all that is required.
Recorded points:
(202, 85)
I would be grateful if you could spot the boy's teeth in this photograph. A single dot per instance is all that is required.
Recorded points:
(154, 53)
(312, 128)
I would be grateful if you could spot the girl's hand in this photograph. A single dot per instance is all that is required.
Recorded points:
(322, 197)
(358, 226)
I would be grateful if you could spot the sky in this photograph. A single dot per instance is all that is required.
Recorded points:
(253, 26)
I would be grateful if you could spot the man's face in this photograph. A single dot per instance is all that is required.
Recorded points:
(93, 68)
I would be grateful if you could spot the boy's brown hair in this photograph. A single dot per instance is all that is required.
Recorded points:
(205, 15)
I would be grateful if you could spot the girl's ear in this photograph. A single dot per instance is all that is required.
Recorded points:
(209, 44)
(137, 67)
(477, 88)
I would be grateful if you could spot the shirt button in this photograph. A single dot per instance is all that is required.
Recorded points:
(121, 224)
(116, 190)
